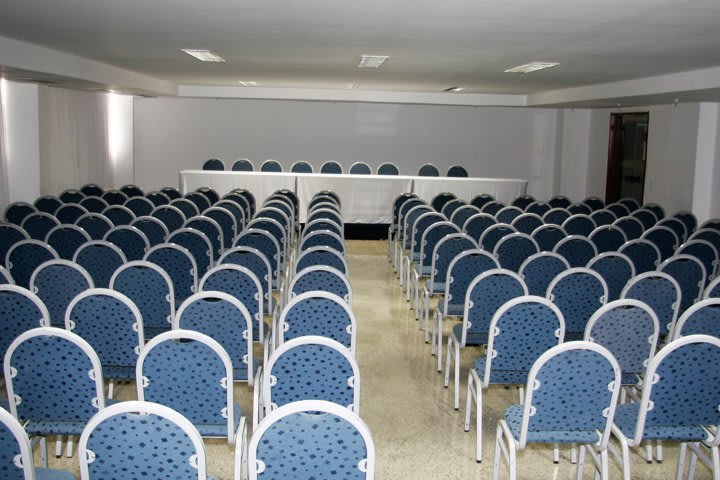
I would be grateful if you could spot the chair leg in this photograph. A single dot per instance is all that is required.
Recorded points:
(681, 461)
(474, 392)
(659, 451)
(457, 376)
(715, 462)
(505, 446)
(556, 453)
(69, 447)
(448, 359)
(573, 454)
(416, 288)
(426, 312)
(648, 452)
(43, 452)
(58, 446)
(693, 465)
(624, 456)
(581, 463)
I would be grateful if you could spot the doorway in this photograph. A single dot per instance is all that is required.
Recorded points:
(627, 156)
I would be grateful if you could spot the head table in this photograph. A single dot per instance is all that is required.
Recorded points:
(365, 198)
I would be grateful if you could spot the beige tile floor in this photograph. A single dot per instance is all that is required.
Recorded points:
(417, 432)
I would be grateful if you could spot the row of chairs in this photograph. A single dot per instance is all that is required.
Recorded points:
(331, 167)
(490, 286)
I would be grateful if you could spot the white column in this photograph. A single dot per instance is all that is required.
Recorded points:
(707, 164)
(23, 141)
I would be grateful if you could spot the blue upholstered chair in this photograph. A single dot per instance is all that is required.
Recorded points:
(689, 273)
(100, 258)
(67, 239)
(331, 167)
(179, 264)
(701, 318)
(616, 269)
(213, 164)
(56, 283)
(539, 269)
(660, 292)
(96, 225)
(643, 253)
(132, 241)
(38, 224)
(576, 249)
(24, 257)
(242, 165)
(578, 292)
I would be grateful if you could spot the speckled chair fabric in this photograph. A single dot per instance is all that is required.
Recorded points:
(71, 196)
(241, 283)
(172, 217)
(688, 218)
(20, 311)
(578, 292)
(16, 456)
(689, 273)
(520, 331)
(56, 283)
(119, 215)
(677, 226)
(140, 206)
(133, 243)
(198, 244)
(278, 232)
(92, 189)
(247, 197)
(16, 212)
(188, 208)
(320, 278)
(112, 324)
(179, 263)
(631, 204)
(256, 262)
(171, 192)
(100, 258)
(308, 368)
(55, 378)
(632, 227)
(679, 402)
(571, 394)
(538, 208)
(547, 236)
(265, 243)
(629, 329)
(309, 439)
(48, 204)
(141, 441)
(508, 214)
(400, 226)
(418, 229)
(158, 198)
(643, 253)
(151, 290)
(493, 234)
(482, 199)
(703, 251)
(607, 238)
(462, 214)
(10, 234)
(701, 318)
(616, 269)
(620, 209)
(660, 292)
(492, 207)
(317, 313)
(226, 220)
(664, 239)
(114, 197)
(449, 208)
(713, 289)
(439, 200)
(576, 249)
(523, 201)
(175, 365)
(155, 230)
(538, 270)
(394, 227)
(239, 212)
(211, 195)
(476, 225)
(603, 217)
(225, 319)
(422, 268)
(132, 191)
(512, 250)
(485, 295)
(5, 277)
(38, 224)
(321, 255)
(94, 204)
(646, 217)
(594, 203)
(322, 239)
(556, 216)
(24, 257)
(67, 239)
(579, 209)
(201, 201)
(527, 223)
(211, 229)
(96, 225)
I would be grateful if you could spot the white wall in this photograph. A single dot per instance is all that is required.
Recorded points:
(22, 144)
(172, 134)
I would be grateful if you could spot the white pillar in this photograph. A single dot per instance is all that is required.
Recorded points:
(707, 164)
(23, 141)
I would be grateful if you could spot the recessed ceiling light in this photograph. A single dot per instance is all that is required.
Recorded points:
(454, 89)
(372, 61)
(531, 67)
(204, 55)
(352, 86)
(247, 83)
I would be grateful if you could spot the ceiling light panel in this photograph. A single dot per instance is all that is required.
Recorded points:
(531, 67)
(247, 83)
(372, 61)
(204, 55)
(454, 89)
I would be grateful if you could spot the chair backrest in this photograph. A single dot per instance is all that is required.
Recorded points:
(132, 190)
(326, 256)
(677, 226)
(679, 393)
(702, 317)
(155, 231)
(493, 234)
(53, 375)
(191, 373)
(461, 214)
(688, 218)
(559, 201)
(630, 203)
(96, 225)
(439, 200)
(660, 292)
(538, 208)
(140, 206)
(323, 224)
(20, 311)
(211, 229)
(594, 203)
(388, 169)
(457, 171)
(254, 260)
(321, 278)
(462, 270)
(100, 258)
(311, 368)
(631, 226)
(10, 234)
(446, 249)
(266, 243)
(17, 212)
(322, 238)
(66, 239)
(94, 204)
(242, 165)
(331, 167)
(476, 225)
(579, 224)
(119, 215)
(225, 319)
(198, 244)
(664, 238)
(430, 238)
(539, 269)
(576, 249)
(360, 168)
(521, 330)
(238, 212)
(572, 387)
(5, 277)
(131, 240)
(449, 208)
(201, 198)
(246, 195)
(187, 207)
(336, 443)
(420, 225)
(703, 251)
(481, 200)
(141, 440)
(179, 264)
(406, 230)
(556, 216)
(607, 238)
(616, 269)
(24, 257)
(172, 217)
(171, 192)
(48, 204)
(71, 195)
(428, 170)
(603, 217)
(512, 250)
(620, 209)
(629, 329)
(492, 207)
(38, 224)
(689, 273)
(508, 214)
(579, 208)
(643, 253)
(713, 289)
(548, 236)
(485, 295)
(150, 288)
(578, 292)
(523, 201)
(158, 198)
(56, 283)
(213, 164)
(114, 197)
(317, 313)
(227, 222)
(527, 223)
(301, 167)
(16, 455)
(327, 214)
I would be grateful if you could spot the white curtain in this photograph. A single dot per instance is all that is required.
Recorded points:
(73, 140)
(4, 181)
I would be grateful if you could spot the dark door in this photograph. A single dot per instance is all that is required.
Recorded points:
(627, 156)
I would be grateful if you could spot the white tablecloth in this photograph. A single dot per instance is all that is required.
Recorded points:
(365, 198)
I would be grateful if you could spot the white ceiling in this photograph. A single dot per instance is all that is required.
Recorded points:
(316, 44)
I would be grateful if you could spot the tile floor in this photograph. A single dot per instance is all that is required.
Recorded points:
(417, 432)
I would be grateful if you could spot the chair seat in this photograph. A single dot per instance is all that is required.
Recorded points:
(453, 309)
(513, 417)
(118, 372)
(152, 332)
(626, 420)
(436, 287)
(425, 272)
(572, 336)
(220, 430)
(415, 256)
(44, 427)
(241, 374)
(51, 474)
(501, 377)
(471, 338)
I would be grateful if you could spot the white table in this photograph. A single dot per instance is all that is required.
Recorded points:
(365, 198)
